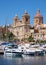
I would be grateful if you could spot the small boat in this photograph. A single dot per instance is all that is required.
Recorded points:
(4, 44)
(43, 47)
(38, 50)
(12, 50)
(29, 51)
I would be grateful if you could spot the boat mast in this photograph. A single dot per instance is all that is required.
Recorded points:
(6, 29)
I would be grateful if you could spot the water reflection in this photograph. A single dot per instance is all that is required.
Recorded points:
(25, 60)
(12, 57)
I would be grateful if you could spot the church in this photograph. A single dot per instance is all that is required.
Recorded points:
(23, 29)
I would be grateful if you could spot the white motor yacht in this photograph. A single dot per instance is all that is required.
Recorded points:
(25, 48)
(29, 51)
(38, 50)
(12, 50)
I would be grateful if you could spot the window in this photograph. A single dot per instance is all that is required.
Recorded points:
(36, 20)
(26, 19)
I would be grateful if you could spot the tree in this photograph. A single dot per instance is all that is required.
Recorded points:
(11, 36)
(4, 36)
(24, 39)
(31, 39)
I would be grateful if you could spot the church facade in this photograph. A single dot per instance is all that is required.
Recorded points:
(23, 29)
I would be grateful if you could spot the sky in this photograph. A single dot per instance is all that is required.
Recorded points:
(9, 9)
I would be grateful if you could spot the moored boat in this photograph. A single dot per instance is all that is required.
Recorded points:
(29, 51)
(38, 50)
(43, 47)
(12, 50)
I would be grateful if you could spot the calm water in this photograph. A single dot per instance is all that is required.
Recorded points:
(26, 60)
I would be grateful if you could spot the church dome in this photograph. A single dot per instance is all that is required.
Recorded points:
(38, 14)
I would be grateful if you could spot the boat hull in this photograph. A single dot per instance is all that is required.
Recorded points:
(39, 53)
(30, 53)
(13, 53)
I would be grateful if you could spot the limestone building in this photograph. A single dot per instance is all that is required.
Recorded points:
(23, 29)
(39, 27)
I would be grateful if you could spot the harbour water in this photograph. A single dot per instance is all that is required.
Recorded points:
(26, 60)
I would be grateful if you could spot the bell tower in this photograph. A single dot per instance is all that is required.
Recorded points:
(16, 19)
(26, 23)
(26, 18)
(38, 18)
